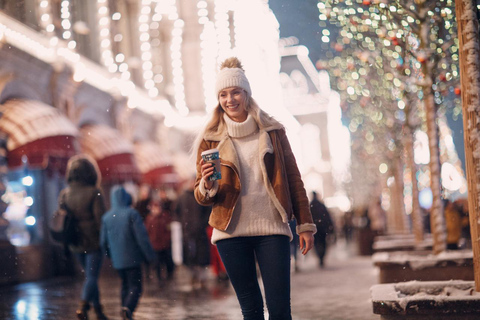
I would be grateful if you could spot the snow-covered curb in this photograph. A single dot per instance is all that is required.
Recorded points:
(443, 298)
(421, 261)
(399, 244)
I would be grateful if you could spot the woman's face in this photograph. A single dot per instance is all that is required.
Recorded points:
(233, 102)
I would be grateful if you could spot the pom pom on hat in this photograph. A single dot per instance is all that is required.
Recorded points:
(232, 75)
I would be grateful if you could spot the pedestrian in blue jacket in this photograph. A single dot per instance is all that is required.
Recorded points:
(125, 240)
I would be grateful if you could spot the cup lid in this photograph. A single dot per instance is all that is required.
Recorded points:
(209, 151)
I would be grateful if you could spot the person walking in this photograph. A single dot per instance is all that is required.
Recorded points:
(196, 245)
(125, 240)
(83, 198)
(453, 223)
(325, 227)
(259, 192)
(158, 224)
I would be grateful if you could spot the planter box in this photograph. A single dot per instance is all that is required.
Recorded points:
(404, 266)
(8, 264)
(434, 300)
(400, 236)
(402, 244)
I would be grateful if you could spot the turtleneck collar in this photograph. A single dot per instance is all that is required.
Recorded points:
(240, 129)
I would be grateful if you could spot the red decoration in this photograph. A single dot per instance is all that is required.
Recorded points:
(457, 91)
(421, 58)
(366, 2)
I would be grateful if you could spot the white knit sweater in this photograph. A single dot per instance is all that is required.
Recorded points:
(255, 214)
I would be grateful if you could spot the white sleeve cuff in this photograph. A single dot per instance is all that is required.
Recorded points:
(307, 227)
(208, 193)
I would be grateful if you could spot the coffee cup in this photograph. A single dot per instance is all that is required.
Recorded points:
(213, 156)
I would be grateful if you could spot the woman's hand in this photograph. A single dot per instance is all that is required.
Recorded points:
(207, 171)
(306, 241)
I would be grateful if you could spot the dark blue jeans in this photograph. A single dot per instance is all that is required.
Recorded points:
(273, 257)
(164, 260)
(131, 286)
(91, 263)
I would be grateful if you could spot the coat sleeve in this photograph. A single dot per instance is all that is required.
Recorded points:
(298, 194)
(203, 196)
(141, 236)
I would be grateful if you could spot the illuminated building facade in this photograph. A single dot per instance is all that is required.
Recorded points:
(140, 72)
(325, 142)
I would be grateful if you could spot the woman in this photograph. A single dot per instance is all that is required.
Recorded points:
(84, 199)
(260, 191)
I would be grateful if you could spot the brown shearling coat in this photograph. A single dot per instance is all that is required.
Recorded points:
(281, 176)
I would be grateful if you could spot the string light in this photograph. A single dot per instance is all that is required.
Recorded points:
(65, 15)
(223, 29)
(170, 8)
(145, 46)
(103, 20)
(209, 48)
(177, 70)
(45, 14)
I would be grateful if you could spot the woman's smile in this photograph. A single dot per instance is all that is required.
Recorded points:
(233, 102)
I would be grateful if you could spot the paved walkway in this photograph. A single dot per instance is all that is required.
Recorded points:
(338, 292)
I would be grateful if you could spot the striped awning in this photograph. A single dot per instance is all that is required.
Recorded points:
(37, 134)
(113, 153)
(155, 164)
(25, 121)
(150, 156)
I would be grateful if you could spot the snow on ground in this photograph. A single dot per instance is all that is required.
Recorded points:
(341, 291)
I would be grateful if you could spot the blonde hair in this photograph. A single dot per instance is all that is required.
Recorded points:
(216, 124)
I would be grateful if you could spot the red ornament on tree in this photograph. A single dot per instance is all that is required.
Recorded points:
(457, 91)
(421, 58)
(338, 47)
(394, 40)
(366, 2)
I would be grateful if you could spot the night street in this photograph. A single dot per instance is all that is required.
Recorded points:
(338, 292)
(204, 135)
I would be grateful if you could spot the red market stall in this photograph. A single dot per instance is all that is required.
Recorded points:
(155, 165)
(37, 142)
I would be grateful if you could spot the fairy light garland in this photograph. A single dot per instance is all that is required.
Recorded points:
(222, 28)
(176, 58)
(103, 20)
(209, 48)
(45, 15)
(65, 15)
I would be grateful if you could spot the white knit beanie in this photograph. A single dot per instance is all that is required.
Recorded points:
(232, 75)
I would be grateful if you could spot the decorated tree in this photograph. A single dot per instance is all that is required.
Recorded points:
(371, 78)
(419, 32)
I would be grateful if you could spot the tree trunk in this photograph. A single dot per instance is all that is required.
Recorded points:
(437, 219)
(398, 198)
(417, 217)
(468, 34)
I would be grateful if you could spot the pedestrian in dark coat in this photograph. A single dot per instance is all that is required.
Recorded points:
(196, 243)
(125, 240)
(158, 224)
(84, 199)
(323, 221)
